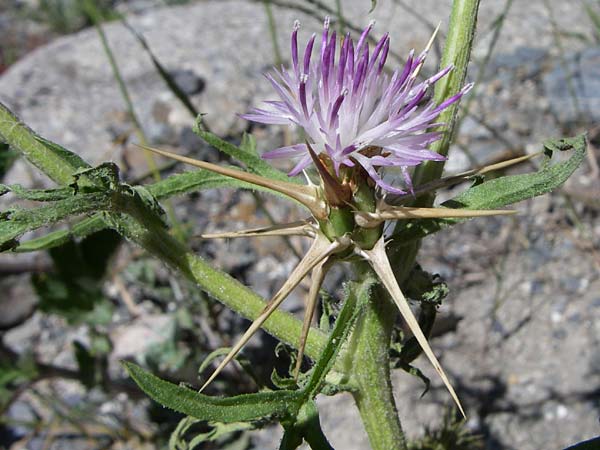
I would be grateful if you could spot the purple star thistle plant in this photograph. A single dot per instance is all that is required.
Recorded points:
(352, 111)
(357, 120)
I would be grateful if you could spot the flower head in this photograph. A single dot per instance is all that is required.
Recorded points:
(351, 110)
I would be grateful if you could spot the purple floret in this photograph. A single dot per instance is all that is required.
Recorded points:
(351, 104)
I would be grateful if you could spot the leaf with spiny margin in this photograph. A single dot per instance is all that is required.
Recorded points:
(246, 155)
(240, 408)
(506, 190)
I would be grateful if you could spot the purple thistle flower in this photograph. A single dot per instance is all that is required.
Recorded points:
(354, 112)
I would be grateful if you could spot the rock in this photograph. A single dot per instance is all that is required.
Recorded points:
(136, 338)
(582, 75)
(188, 81)
(524, 62)
(18, 301)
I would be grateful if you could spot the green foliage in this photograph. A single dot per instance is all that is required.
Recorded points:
(506, 190)
(16, 221)
(246, 153)
(451, 435)
(12, 375)
(74, 289)
(227, 436)
(7, 157)
(294, 408)
(240, 408)
(54, 239)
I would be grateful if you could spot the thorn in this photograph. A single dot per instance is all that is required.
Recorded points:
(381, 265)
(371, 220)
(299, 228)
(318, 275)
(417, 70)
(453, 179)
(305, 195)
(320, 249)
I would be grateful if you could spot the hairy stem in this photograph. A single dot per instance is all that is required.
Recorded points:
(371, 371)
(457, 51)
(146, 231)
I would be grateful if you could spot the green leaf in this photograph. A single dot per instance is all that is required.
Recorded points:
(507, 190)
(56, 238)
(357, 295)
(195, 181)
(226, 435)
(246, 155)
(55, 161)
(72, 159)
(307, 427)
(241, 408)
(16, 222)
(37, 195)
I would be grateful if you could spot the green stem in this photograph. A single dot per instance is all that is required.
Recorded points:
(157, 241)
(370, 370)
(371, 364)
(60, 165)
(457, 51)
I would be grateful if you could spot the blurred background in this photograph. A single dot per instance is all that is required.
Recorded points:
(519, 332)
